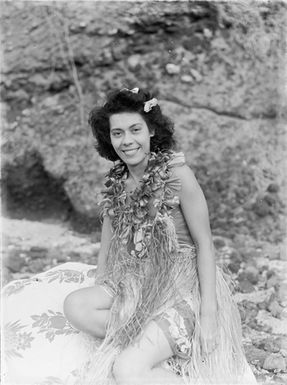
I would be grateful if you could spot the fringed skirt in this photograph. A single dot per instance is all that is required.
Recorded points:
(179, 321)
(42, 348)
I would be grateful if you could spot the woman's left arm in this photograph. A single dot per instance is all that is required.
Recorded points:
(195, 211)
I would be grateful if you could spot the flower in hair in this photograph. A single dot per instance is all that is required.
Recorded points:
(150, 104)
(134, 90)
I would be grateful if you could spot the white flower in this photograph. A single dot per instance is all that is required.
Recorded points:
(150, 104)
(134, 90)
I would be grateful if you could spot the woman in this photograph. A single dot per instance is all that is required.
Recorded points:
(160, 311)
(158, 296)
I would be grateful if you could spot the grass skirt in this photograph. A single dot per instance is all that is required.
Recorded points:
(226, 365)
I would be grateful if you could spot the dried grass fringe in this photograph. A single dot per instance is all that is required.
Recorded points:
(226, 365)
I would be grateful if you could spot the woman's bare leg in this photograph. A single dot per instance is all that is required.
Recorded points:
(87, 309)
(136, 365)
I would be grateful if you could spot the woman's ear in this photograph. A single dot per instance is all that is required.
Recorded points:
(151, 133)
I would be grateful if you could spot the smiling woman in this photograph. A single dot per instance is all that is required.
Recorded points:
(159, 310)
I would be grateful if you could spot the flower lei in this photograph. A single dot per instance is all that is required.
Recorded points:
(134, 214)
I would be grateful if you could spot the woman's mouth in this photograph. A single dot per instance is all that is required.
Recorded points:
(130, 151)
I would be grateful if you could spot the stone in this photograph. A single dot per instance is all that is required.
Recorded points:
(61, 258)
(252, 274)
(186, 79)
(134, 62)
(20, 95)
(273, 281)
(248, 311)
(234, 267)
(26, 112)
(261, 208)
(275, 309)
(273, 188)
(14, 262)
(39, 80)
(51, 101)
(282, 342)
(172, 69)
(219, 241)
(37, 266)
(271, 346)
(255, 356)
(274, 362)
(196, 75)
(245, 286)
(38, 252)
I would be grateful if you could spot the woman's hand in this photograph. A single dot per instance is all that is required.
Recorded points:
(209, 332)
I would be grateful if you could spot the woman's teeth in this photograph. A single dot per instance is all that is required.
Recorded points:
(130, 152)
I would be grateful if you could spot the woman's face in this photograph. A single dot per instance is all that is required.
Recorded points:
(130, 137)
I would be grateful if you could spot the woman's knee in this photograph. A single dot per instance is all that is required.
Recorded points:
(128, 366)
(74, 307)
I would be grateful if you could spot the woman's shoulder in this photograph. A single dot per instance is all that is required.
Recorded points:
(180, 170)
(176, 159)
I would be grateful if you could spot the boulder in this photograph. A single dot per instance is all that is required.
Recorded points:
(274, 362)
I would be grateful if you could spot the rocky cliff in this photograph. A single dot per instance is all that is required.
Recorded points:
(217, 69)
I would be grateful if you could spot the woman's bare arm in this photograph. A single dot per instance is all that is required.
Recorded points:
(195, 211)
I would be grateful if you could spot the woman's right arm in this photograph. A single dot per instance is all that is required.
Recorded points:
(106, 237)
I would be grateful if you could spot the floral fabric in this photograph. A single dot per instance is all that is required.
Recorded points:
(40, 346)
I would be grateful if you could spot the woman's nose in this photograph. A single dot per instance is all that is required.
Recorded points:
(127, 139)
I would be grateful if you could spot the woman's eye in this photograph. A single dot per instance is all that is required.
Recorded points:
(116, 134)
(136, 129)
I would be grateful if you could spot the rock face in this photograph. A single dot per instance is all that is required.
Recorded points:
(216, 69)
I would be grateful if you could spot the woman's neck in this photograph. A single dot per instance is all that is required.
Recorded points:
(137, 172)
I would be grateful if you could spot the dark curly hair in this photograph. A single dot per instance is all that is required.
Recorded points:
(127, 101)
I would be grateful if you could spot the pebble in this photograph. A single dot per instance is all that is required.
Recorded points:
(275, 309)
(261, 208)
(282, 342)
(196, 75)
(134, 62)
(274, 362)
(219, 241)
(14, 263)
(234, 267)
(250, 274)
(245, 286)
(271, 346)
(36, 265)
(186, 79)
(172, 69)
(38, 252)
(272, 281)
(26, 112)
(273, 188)
(255, 356)
(51, 101)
